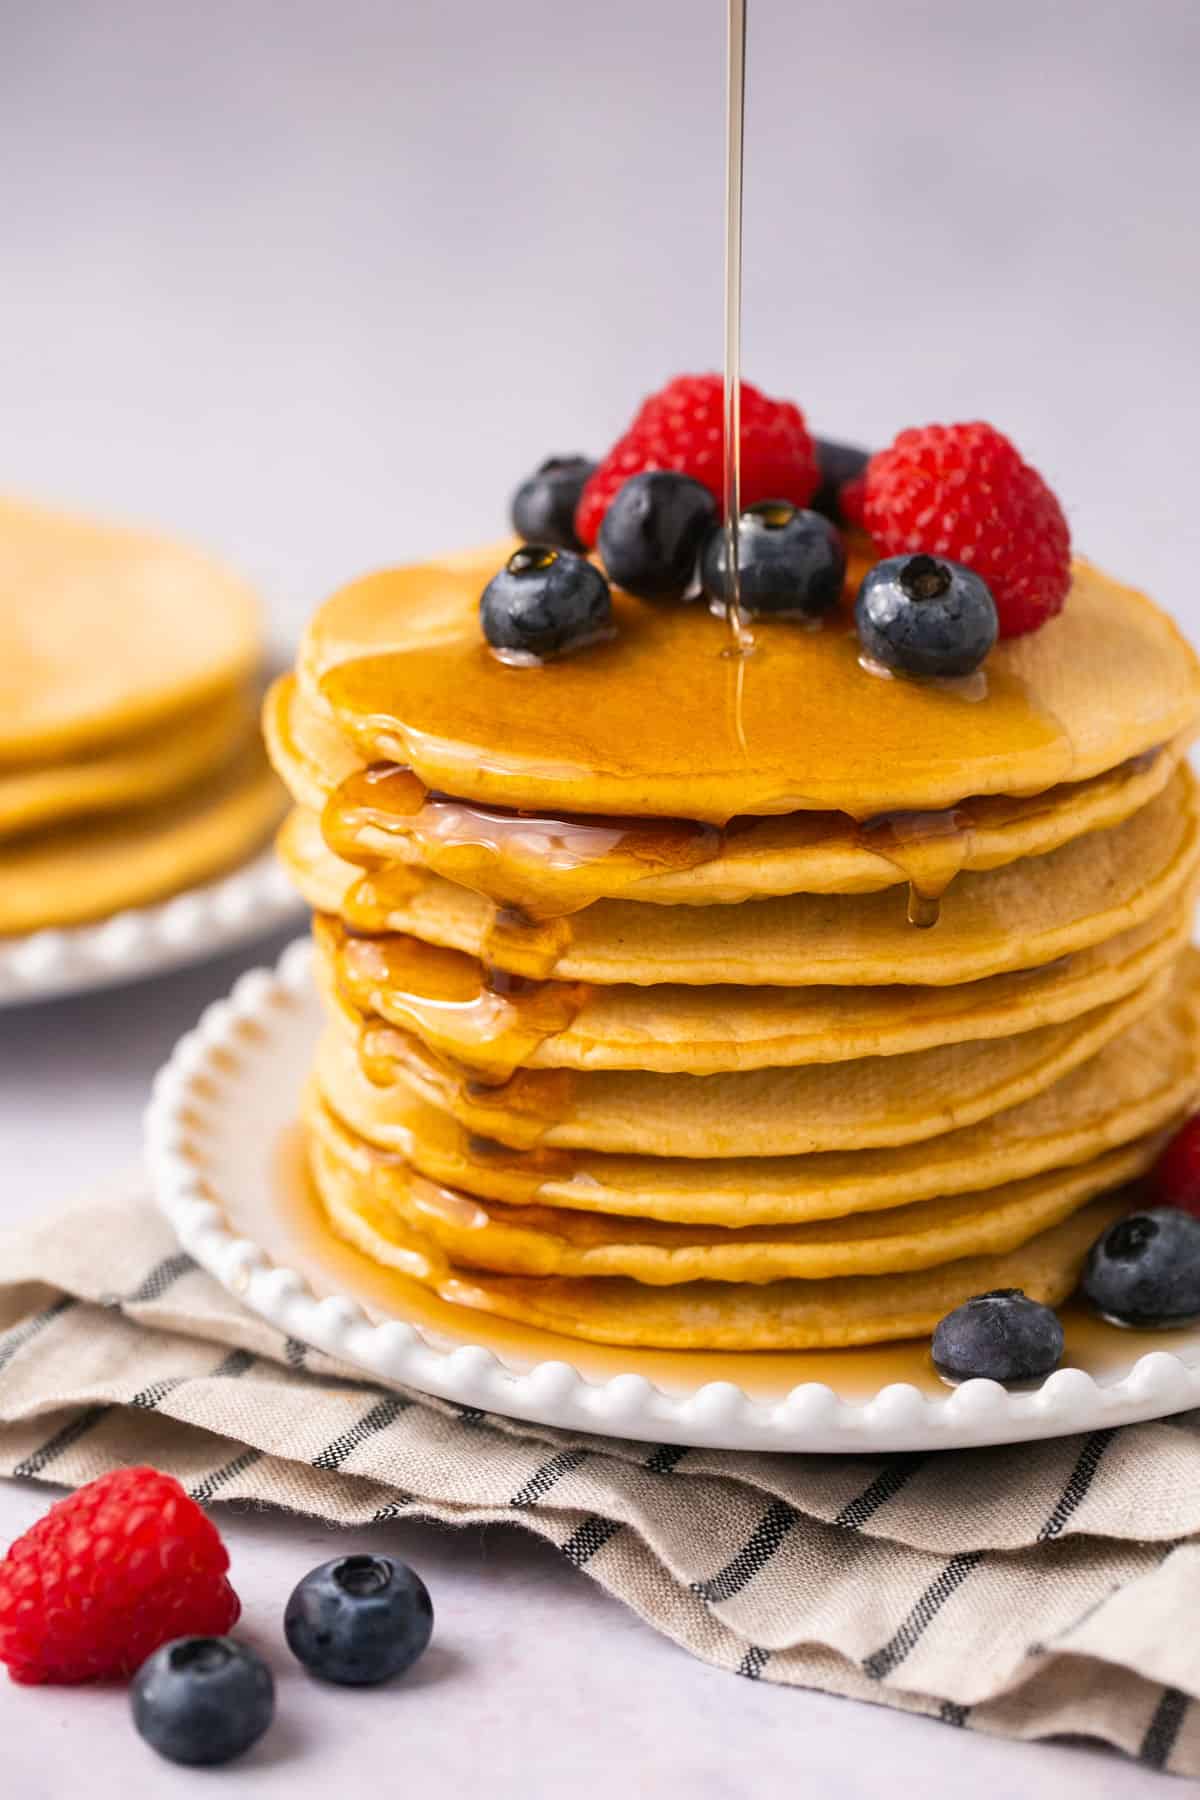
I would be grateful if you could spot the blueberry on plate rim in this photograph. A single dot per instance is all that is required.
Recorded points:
(836, 464)
(543, 603)
(202, 1700)
(926, 616)
(1145, 1269)
(998, 1336)
(791, 562)
(543, 507)
(359, 1620)
(650, 537)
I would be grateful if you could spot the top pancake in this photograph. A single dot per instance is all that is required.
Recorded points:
(105, 631)
(658, 723)
(548, 865)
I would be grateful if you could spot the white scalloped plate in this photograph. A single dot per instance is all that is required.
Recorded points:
(204, 921)
(223, 1155)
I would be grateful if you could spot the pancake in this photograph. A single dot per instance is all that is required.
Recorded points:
(378, 1201)
(556, 865)
(129, 772)
(106, 631)
(76, 873)
(1017, 917)
(1140, 1083)
(875, 1102)
(399, 663)
(779, 1315)
(447, 1000)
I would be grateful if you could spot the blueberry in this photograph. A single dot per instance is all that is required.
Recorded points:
(1001, 1336)
(543, 508)
(359, 1620)
(1145, 1270)
(202, 1700)
(544, 602)
(922, 615)
(791, 563)
(651, 535)
(838, 464)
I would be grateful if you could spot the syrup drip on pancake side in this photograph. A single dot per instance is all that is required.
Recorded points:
(485, 1020)
(505, 855)
(518, 1111)
(928, 848)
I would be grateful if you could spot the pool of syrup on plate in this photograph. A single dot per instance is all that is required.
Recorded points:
(856, 1374)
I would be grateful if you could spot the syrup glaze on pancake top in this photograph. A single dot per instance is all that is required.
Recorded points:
(631, 1033)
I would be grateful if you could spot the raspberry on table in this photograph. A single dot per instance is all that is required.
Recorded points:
(1175, 1178)
(964, 493)
(107, 1576)
(682, 427)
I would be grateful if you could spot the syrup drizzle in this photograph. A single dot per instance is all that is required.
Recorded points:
(735, 143)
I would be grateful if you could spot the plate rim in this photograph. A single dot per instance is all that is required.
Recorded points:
(188, 1093)
(212, 917)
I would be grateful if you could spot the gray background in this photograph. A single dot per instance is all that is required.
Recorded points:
(314, 284)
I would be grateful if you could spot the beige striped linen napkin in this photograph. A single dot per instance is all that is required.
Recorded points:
(1046, 1590)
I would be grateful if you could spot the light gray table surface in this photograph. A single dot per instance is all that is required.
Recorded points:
(314, 286)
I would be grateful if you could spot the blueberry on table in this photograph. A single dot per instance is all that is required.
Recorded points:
(543, 508)
(544, 602)
(359, 1620)
(1001, 1336)
(791, 563)
(837, 464)
(922, 615)
(1145, 1270)
(202, 1700)
(651, 535)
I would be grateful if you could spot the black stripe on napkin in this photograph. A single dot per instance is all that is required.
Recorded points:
(754, 1662)
(24, 1333)
(394, 1509)
(1163, 1730)
(205, 1490)
(951, 1713)
(62, 1440)
(1078, 1483)
(384, 1412)
(754, 1555)
(163, 1275)
(232, 1365)
(295, 1353)
(882, 1661)
(665, 1458)
(531, 1491)
(591, 1536)
(885, 1487)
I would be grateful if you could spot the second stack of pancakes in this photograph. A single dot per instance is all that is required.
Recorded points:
(687, 1002)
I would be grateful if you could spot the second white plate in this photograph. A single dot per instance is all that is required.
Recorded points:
(247, 904)
(225, 1160)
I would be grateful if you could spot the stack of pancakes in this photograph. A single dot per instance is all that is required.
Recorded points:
(685, 1000)
(131, 763)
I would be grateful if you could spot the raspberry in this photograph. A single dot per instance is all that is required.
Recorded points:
(682, 427)
(852, 496)
(963, 492)
(1175, 1178)
(107, 1576)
